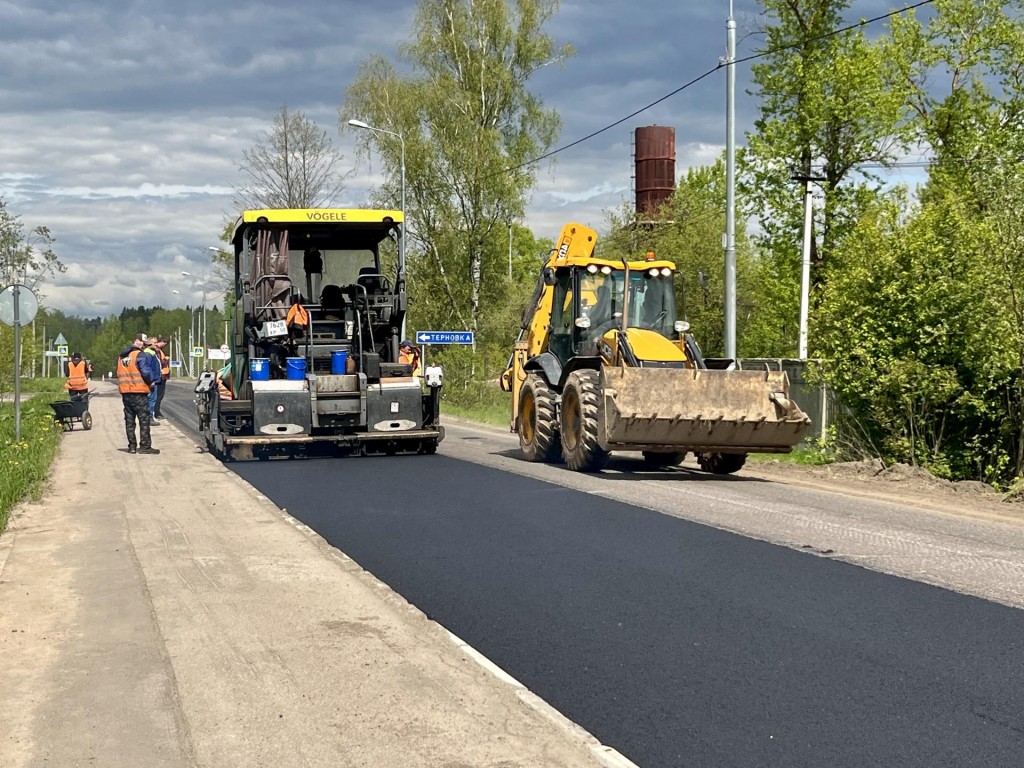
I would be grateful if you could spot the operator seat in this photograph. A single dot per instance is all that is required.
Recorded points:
(371, 280)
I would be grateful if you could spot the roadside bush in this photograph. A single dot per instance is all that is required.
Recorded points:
(25, 463)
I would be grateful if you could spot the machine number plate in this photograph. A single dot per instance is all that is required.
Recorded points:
(275, 328)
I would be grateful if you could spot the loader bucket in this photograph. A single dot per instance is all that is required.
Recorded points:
(700, 410)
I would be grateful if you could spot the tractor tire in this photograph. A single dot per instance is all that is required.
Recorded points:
(664, 458)
(721, 463)
(538, 430)
(581, 401)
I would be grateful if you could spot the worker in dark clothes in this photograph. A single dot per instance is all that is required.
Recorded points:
(136, 376)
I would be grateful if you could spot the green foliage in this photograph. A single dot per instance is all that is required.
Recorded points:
(899, 325)
(461, 109)
(24, 463)
(828, 104)
(689, 233)
(26, 258)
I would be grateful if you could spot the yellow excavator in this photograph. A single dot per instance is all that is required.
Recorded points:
(602, 364)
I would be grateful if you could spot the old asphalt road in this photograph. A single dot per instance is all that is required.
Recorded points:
(157, 611)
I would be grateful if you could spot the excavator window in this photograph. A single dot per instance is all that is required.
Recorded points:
(562, 316)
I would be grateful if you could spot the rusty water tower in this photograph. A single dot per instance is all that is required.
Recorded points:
(655, 167)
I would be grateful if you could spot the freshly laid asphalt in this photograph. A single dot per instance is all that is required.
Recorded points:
(156, 611)
(676, 643)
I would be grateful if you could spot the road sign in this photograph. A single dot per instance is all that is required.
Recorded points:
(225, 350)
(27, 305)
(444, 337)
(175, 363)
(197, 351)
(62, 350)
(60, 340)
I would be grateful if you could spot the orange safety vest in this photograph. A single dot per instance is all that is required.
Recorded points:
(165, 364)
(297, 315)
(129, 377)
(411, 358)
(76, 376)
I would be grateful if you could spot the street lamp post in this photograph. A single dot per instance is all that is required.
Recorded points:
(401, 242)
(202, 317)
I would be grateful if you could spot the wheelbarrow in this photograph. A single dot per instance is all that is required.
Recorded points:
(67, 412)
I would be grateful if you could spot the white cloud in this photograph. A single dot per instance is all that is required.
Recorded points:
(122, 130)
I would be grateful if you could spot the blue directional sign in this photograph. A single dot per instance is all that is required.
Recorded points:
(444, 337)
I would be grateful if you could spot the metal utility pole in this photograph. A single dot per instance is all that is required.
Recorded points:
(17, 361)
(730, 185)
(805, 266)
(18, 306)
(405, 224)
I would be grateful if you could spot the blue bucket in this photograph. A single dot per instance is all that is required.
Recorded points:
(296, 370)
(259, 369)
(339, 360)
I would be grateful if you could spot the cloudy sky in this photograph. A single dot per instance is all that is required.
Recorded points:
(122, 121)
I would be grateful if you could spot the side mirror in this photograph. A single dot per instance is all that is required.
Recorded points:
(549, 276)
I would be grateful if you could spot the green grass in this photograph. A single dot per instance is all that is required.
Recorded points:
(25, 463)
(51, 386)
(808, 454)
(478, 401)
(491, 415)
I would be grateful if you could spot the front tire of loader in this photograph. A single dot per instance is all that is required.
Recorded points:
(538, 431)
(581, 401)
(721, 463)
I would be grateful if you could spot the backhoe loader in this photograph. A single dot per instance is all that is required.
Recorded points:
(602, 364)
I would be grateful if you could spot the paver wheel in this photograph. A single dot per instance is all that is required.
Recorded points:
(721, 463)
(538, 431)
(581, 402)
(664, 458)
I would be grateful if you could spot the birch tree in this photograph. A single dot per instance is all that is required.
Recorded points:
(458, 97)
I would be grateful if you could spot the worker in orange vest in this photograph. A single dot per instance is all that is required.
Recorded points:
(409, 355)
(77, 384)
(135, 379)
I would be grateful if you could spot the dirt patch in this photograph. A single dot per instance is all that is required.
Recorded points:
(899, 483)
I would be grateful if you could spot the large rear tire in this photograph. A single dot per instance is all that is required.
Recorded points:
(721, 463)
(538, 430)
(663, 458)
(581, 401)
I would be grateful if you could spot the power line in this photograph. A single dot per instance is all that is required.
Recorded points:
(697, 79)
